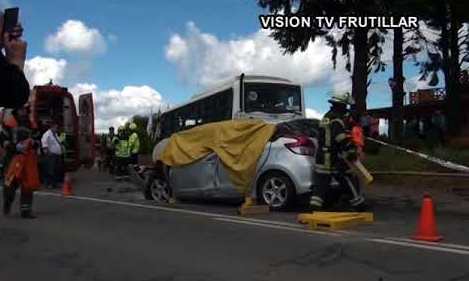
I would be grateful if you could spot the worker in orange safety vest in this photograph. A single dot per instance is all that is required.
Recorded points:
(22, 171)
(357, 136)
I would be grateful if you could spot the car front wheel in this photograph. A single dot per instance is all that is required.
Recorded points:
(157, 189)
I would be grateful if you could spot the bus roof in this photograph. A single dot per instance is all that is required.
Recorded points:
(229, 83)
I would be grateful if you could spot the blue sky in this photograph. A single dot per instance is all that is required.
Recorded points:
(142, 49)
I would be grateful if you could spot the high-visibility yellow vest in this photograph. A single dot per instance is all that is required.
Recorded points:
(134, 143)
(122, 148)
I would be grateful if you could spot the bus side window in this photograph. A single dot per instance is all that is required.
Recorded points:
(171, 124)
(227, 104)
(189, 116)
(198, 113)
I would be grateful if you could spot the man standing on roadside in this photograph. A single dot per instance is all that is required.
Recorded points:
(52, 149)
(134, 144)
(122, 153)
(110, 150)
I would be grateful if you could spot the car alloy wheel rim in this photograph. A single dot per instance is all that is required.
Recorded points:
(275, 192)
(160, 190)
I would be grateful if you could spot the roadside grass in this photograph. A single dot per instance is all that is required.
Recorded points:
(459, 156)
(389, 159)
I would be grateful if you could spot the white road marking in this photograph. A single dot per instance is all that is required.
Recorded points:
(129, 204)
(170, 209)
(419, 245)
(276, 226)
(445, 245)
(281, 223)
(441, 247)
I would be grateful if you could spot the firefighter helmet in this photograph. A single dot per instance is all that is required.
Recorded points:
(343, 98)
(133, 126)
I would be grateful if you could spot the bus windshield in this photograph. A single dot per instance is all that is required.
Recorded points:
(272, 98)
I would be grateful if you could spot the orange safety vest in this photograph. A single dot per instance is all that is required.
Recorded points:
(23, 169)
(357, 136)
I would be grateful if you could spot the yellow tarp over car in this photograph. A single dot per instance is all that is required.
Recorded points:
(238, 143)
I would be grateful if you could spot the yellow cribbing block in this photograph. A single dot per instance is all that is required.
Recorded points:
(250, 207)
(253, 210)
(367, 216)
(334, 220)
(304, 218)
(334, 223)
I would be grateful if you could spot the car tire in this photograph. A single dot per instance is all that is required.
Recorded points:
(276, 190)
(156, 188)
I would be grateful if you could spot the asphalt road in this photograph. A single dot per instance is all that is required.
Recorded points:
(116, 236)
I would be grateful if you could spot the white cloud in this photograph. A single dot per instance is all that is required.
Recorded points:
(204, 60)
(313, 114)
(4, 4)
(75, 37)
(40, 70)
(115, 107)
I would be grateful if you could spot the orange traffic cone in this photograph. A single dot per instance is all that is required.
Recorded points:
(67, 188)
(427, 224)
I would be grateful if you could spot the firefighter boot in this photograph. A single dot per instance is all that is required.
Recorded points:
(359, 204)
(8, 198)
(316, 203)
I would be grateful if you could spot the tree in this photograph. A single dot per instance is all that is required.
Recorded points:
(449, 53)
(366, 44)
(401, 8)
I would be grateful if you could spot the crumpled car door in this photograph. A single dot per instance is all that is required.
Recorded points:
(195, 179)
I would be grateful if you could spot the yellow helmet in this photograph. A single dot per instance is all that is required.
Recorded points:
(133, 126)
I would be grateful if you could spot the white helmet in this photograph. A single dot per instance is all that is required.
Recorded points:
(343, 98)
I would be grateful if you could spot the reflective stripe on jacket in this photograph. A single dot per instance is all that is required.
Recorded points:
(334, 144)
(122, 148)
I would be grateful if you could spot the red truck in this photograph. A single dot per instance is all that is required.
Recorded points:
(54, 103)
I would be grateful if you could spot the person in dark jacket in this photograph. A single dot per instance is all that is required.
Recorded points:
(14, 88)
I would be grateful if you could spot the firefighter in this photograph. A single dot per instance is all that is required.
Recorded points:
(122, 152)
(22, 171)
(335, 149)
(134, 144)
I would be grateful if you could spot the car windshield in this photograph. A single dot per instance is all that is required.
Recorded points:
(272, 98)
